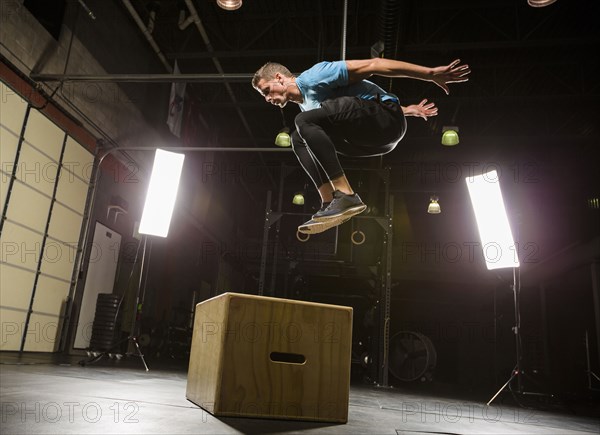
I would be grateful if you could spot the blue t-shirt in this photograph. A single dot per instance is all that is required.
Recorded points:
(327, 80)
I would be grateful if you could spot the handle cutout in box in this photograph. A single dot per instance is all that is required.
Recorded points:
(287, 358)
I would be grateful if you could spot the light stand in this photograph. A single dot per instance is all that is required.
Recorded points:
(517, 372)
(133, 346)
(156, 219)
(495, 233)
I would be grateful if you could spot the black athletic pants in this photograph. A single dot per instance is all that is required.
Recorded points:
(349, 126)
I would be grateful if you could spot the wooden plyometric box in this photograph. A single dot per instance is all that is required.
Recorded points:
(256, 356)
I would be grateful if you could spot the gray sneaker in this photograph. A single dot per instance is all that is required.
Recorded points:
(314, 227)
(342, 207)
(322, 209)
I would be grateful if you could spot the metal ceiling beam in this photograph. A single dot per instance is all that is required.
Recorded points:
(550, 44)
(200, 149)
(363, 51)
(272, 54)
(144, 78)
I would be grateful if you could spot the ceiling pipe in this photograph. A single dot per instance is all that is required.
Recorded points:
(147, 34)
(151, 20)
(184, 22)
(344, 31)
(388, 31)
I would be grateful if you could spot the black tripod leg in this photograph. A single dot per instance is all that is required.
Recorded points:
(515, 373)
(140, 354)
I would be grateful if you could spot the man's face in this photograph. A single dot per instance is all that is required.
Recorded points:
(273, 91)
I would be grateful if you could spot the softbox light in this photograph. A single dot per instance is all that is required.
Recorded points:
(162, 192)
(497, 241)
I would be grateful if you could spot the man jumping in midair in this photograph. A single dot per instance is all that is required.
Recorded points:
(343, 112)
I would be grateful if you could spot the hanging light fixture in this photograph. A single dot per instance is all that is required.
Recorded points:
(450, 136)
(283, 138)
(229, 5)
(298, 198)
(434, 206)
(539, 3)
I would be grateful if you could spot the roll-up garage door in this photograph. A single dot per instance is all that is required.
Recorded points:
(45, 179)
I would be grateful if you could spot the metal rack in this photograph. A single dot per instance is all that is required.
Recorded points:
(273, 218)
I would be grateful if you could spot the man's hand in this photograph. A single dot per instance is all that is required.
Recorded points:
(452, 73)
(422, 110)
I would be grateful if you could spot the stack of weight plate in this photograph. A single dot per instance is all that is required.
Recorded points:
(105, 322)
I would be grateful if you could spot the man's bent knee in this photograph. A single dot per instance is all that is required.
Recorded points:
(310, 117)
(297, 140)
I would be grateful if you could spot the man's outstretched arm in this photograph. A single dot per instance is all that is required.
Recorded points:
(454, 72)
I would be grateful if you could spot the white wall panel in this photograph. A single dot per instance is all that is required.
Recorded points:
(20, 246)
(50, 295)
(11, 330)
(12, 109)
(59, 258)
(17, 285)
(28, 207)
(78, 160)
(36, 169)
(44, 135)
(43, 333)
(12, 114)
(72, 191)
(8, 151)
(38, 195)
(65, 224)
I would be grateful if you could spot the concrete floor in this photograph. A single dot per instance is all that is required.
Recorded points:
(42, 395)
